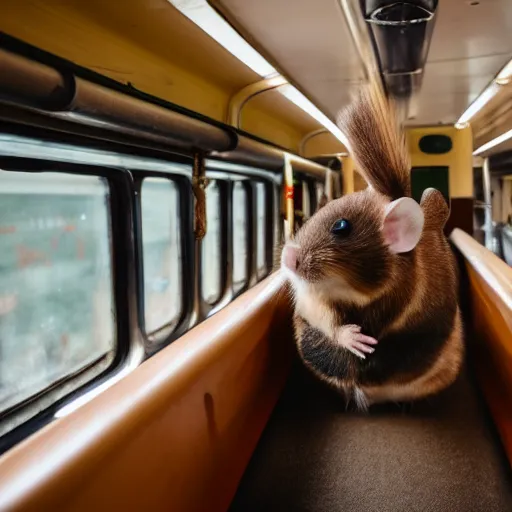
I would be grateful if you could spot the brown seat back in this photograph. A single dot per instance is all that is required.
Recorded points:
(176, 434)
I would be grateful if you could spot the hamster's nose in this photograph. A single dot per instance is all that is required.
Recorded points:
(289, 257)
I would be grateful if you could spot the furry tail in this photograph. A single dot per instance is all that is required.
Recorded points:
(377, 143)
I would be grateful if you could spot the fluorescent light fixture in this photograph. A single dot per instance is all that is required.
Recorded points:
(494, 142)
(505, 75)
(295, 96)
(205, 17)
(502, 78)
(479, 103)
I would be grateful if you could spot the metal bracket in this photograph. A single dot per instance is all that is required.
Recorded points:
(237, 101)
(308, 136)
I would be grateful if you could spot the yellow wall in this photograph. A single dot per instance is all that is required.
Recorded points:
(359, 182)
(323, 144)
(459, 159)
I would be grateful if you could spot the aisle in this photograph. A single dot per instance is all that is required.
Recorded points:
(441, 456)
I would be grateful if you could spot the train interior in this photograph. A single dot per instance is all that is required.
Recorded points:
(147, 355)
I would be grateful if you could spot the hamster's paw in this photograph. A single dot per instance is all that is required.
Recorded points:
(350, 337)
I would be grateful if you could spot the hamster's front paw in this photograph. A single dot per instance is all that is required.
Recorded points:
(350, 337)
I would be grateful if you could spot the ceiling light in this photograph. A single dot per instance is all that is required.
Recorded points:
(505, 75)
(205, 17)
(479, 103)
(493, 143)
(502, 78)
(295, 96)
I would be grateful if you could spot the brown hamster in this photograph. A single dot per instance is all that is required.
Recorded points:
(373, 277)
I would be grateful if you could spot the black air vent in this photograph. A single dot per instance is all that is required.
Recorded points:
(435, 144)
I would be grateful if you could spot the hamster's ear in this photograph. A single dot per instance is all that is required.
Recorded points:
(403, 224)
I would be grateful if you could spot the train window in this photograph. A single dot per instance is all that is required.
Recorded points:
(211, 257)
(261, 233)
(57, 314)
(161, 240)
(320, 191)
(240, 236)
(306, 199)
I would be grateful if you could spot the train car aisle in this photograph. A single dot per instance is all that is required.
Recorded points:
(442, 455)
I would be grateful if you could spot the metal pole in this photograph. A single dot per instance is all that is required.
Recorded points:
(289, 203)
(486, 177)
(237, 102)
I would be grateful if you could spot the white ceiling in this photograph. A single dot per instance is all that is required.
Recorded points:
(309, 42)
(469, 46)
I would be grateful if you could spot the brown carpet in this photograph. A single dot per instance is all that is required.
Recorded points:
(441, 455)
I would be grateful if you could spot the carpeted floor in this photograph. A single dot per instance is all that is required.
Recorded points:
(441, 455)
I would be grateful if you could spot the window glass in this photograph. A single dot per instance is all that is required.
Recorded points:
(306, 200)
(240, 236)
(161, 253)
(320, 191)
(57, 312)
(211, 262)
(261, 234)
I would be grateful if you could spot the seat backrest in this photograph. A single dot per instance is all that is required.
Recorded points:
(490, 294)
(175, 434)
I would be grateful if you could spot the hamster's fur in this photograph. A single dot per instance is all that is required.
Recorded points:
(373, 277)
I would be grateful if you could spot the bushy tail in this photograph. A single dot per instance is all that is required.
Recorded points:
(376, 143)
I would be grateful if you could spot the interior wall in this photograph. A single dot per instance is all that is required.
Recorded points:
(267, 116)
(359, 182)
(323, 144)
(153, 47)
(459, 159)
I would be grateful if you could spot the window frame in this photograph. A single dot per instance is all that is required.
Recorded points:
(250, 205)
(168, 332)
(45, 403)
(270, 234)
(226, 173)
(226, 252)
(124, 167)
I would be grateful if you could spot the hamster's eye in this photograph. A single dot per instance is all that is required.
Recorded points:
(341, 227)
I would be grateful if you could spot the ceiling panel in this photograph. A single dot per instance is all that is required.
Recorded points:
(472, 41)
(471, 28)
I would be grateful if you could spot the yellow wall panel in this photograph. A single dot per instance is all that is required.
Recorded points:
(459, 159)
(150, 45)
(323, 144)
